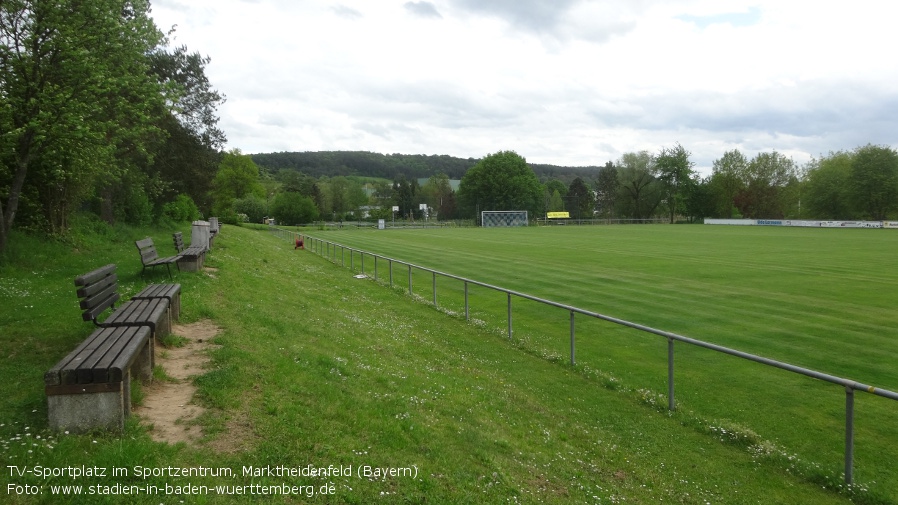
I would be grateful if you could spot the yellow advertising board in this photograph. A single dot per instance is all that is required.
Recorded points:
(558, 215)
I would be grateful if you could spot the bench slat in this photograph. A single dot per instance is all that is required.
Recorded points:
(94, 275)
(114, 364)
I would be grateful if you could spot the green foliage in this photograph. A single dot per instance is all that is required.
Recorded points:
(674, 172)
(438, 194)
(93, 108)
(556, 203)
(581, 200)
(254, 207)
(237, 177)
(181, 209)
(827, 193)
(727, 181)
(873, 181)
(78, 99)
(766, 177)
(640, 191)
(607, 190)
(500, 181)
(293, 208)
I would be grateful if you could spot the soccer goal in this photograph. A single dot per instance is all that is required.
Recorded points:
(493, 218)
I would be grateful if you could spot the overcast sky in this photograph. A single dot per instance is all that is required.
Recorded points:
(565, 82)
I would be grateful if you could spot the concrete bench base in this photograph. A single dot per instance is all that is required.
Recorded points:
(191, 263)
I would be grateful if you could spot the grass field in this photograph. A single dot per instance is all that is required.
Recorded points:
(818, 298)
(318, 368)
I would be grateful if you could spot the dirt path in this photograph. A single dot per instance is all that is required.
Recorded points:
(168, 406)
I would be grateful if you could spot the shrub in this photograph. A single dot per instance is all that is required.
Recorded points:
(181, 209)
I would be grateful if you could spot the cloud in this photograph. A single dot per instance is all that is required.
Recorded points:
(422, 9)
(576, 82)
(535, 15)
(750, 17)
(346, 12)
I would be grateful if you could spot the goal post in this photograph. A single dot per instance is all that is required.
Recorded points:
(503, 218)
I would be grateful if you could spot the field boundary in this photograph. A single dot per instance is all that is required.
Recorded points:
(329, 250)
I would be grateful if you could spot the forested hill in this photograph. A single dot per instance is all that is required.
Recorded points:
(391, 166)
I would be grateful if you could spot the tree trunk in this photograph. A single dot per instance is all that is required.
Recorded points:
(8, 215)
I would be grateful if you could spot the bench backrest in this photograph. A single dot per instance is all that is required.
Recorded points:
(97, 291)
(178, 239)
(147, 250)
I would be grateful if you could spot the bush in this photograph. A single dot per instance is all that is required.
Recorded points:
(252, 206)
(181, 209)
(293, 208)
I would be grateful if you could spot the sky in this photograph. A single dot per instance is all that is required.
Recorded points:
(562, 82)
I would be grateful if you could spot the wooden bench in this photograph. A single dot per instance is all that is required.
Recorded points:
(150, 258)
(170, 292)
(192, 258)
(91, 387)
(98, 291)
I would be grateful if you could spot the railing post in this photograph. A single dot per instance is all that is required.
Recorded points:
(410, 280)
(467, 310)
(375, 267)
(363, 261)
(391, 272)
(343, 257)
(509, 316)
(573, 362)
(351, 259)
(671, 404)
(849, 434)
(434, 289)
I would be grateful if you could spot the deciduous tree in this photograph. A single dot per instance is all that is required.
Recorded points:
(874, 181)
(501, 181)
(237, 177)
(582, 199)
(674, 172)
(77, 98)
(641, 193)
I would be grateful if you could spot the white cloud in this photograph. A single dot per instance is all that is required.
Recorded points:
(572, 82)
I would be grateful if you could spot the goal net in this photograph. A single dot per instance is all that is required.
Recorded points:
(494, 218)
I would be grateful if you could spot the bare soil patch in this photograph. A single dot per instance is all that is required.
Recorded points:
(168, 405)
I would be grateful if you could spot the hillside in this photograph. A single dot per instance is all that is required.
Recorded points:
(391, 166)
(318, 369)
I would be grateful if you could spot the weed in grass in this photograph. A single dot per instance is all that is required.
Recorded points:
(174, 341)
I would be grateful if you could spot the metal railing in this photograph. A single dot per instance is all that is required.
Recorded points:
(329, 249)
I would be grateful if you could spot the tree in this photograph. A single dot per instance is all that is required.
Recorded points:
(237, 177)
(582, 199)
(77, 98)
(188, 158)
(827, 194)
(252, 206)
(699, 199)
(728, 180)
(500, 181)
(556, 202)
(873, 181)
(607, 189)
(439, 195)
(674, 172)
(405, 195)
(767, 174)
(293, 208)
(641, 193)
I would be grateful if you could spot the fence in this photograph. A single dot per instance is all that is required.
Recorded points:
(329, 250)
